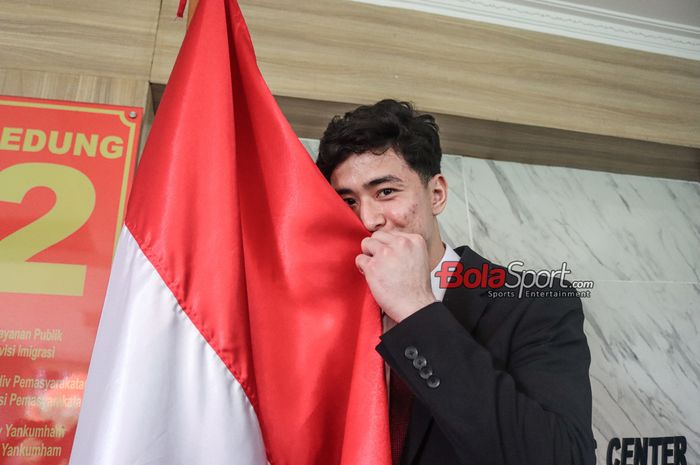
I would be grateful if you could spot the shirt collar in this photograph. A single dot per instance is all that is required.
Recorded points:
(449, 256)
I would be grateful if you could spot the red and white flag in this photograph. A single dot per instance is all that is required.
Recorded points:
(236, 328)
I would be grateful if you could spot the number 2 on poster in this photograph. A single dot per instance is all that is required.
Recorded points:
(75, 201)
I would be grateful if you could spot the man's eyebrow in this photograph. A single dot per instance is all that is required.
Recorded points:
(382, 180)
(373, 183)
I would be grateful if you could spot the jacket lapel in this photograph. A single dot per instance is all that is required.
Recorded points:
(467, 305)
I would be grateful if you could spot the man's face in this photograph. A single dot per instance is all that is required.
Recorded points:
(387, 195)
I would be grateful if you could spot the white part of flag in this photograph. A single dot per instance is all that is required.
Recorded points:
(157, 393)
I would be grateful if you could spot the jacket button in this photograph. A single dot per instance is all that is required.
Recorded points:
(433, 382)
(425, 372)
(420, 362)
(410, 353)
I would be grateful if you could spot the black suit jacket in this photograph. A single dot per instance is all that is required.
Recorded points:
(513, 378)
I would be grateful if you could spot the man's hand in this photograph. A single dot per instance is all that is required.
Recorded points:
(395, 265)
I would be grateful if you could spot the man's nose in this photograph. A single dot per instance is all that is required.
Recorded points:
(372, 216)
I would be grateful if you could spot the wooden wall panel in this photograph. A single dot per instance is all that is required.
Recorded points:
(74, 87)
(342, 51)
(95, 37)
(524, 144)
(519, 143)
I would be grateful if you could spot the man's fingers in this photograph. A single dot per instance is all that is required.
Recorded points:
(384, 237)
(390, 237)
(370, 246)
(361, 261)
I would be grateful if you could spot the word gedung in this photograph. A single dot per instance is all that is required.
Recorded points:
(453, 274)
(61, 142)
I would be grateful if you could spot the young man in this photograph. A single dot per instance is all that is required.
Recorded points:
(474, 379)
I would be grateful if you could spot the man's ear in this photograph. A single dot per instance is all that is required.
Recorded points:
(438, 193)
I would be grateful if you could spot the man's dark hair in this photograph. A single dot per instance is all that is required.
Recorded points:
(377, 128)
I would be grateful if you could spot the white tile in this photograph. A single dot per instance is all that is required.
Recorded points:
(644, 370)
(606, 226)
(311, 146)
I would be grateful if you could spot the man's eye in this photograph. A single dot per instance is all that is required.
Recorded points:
(386, 191)
(350, 202)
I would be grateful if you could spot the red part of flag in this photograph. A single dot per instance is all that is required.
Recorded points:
(259, 251)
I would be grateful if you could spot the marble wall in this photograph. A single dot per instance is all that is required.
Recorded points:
(638, 239)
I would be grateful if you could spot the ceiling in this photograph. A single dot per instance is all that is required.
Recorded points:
(669, 27)
(684, 12)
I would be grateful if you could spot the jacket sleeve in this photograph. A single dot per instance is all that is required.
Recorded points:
(535, 411)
